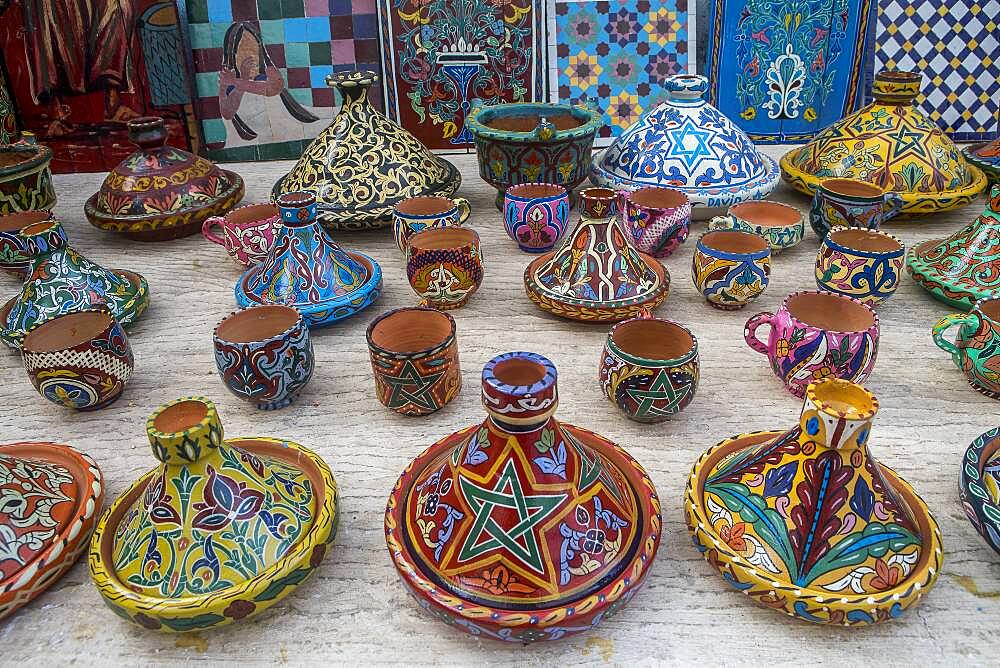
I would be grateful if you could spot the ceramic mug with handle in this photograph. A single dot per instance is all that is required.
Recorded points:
(416, 214)
(976, 350)
(247, 232)
(851, 203)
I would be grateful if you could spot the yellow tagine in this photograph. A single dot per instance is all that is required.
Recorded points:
(219, 531)
(892, 144)
(808, 523)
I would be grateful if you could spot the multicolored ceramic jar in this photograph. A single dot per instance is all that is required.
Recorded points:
(219, 531)
(808, 523)
(248, 232)
(535, 215)
(816, 335)
(781, 225)
(731, 268)
(416, 214)
(13, 250)
(851, 203)
(25, 177)
(859, 263)
(80, 359)
(650, 368)
(658, 218)
(976, 350)
(522, 528)
(532, 142)
(979, 486)
(445, 266)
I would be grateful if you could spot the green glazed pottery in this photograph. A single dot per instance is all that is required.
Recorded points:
(976, 350)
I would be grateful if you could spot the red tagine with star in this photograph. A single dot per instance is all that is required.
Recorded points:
(523, 528)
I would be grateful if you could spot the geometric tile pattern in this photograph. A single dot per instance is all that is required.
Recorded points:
(955, 45)
(618, 54)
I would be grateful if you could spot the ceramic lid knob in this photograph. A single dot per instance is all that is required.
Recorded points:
(44, 237)
(837, 414)
(297, 209)
(896, 87)
(147, 132)
(519, 390)
(184, 430)
(686, 86)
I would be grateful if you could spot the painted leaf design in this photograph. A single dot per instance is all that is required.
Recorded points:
(821, 495)
(753, 461)
(863, 501)
(778, 481)
(876, 540)
(767, 522)
(555, 462)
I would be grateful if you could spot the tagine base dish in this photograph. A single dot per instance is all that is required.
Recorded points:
(239, 601)
(961, 297)
(812, 605)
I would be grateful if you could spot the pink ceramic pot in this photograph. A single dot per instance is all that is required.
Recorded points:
(657, 218)
(535, 215)
(815, 335)
(247, 232)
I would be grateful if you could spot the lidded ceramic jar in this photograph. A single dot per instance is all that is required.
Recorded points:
(25, 176)
(220, 530)
(808, 522)
(522, 528)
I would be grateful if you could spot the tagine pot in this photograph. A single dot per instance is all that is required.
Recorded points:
(307, 270)
(161, 192)
(50, 495)
(808, 523)
(985, 156)
(687, 144)
(25, 176)
(522, 528)
(219, 531)
(979, 486)
(597, 275)
(891, 144)
(963, 268)
(364, 164)
(60, 280)
(532, 142)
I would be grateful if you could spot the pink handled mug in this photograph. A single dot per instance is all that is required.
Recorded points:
(247, 232)
(816, 335)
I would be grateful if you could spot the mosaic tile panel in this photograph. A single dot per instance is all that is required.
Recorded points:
(617, 54)
(955, 44)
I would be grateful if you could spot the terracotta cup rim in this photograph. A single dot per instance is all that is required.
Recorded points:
(68, 331)
(735, 242)
(989, 308)
(179, 417)
(532, 191)
(658, 197)
(597, 193)
(252, 215)
(854, 188)
(828, 395)
(18, 220)
(653, 340)
(767, 214)
(803, 308)
(411, 331)
(257, 324)
(425, 206)
(444, 238)
(871, 242)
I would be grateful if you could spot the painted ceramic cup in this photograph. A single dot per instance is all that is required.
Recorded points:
(247, 232)
(650, 368)
(416, 214)
(781, 225)
(976, 350)
(414, 355)
(14, 255)
(817, 335)
(860, 263)
(444, 266)
(657, 218)
(851, 203)
(80, 360)
(730, 268)
(264, 355)
(535, 215)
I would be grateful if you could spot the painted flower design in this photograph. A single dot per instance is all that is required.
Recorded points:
(662, 26)
(886, 576)
(782, 347)
(582, 27)
(158, 501)
(662, 65)
(622, 71)
(583, 70)
(624, 109)
(822, 372)
(225, 501)
(239, 609)
(623, 27)
(733, 535)
(497, 581)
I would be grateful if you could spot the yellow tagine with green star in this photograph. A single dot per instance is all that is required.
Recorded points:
(219, 531)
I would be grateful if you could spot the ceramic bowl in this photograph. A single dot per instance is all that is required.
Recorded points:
(248, 232)
(731, 268)
(535, 215)
(657, 218)
(783, 226)
(14, 255)
(864, 264)
(445, 266)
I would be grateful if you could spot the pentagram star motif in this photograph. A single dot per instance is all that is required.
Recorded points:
(408, 378)
(907, 141)
(491, 505)
(690, 143)
(659, 389)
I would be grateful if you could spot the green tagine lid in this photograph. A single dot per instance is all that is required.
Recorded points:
(965, 267)
(808, 523)
(219, 531)
(361, 166)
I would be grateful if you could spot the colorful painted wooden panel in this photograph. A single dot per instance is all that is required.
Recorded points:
(261, 66)
(786, 69)
(80, 69)
(443, 55)
(955, 45)
(617, 54)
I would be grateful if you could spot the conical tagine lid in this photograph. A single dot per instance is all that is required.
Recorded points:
(522, 527)
(892, 144)
(220, 530)
(965, 267)
(361, 166)
(808, 522)
(50, 496)
(307, 270)
(986, 157)
(687, 144)
(161, 192)
(60, 280)
(597, 274)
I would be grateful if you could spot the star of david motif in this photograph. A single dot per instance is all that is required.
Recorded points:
(660, 389)
(410, 377)
(690, 144)
(907, 141)
(521, 540)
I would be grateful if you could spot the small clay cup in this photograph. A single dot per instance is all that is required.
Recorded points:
(860, 263)
(783, 226)
(444, 266)
(816, 335)
(650, 368)
(414, 355)
(80, 360)
(426, 212)
(535, 215)
(14, 255)
(841, 202)
(976, 350)
(731, 268)
(657, 218)
(247, 232)
(264, 355)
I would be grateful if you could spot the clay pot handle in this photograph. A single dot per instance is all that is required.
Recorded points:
(750, 332)
(206, 229)
(893, 205)
(943, 325)
(464, 208)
